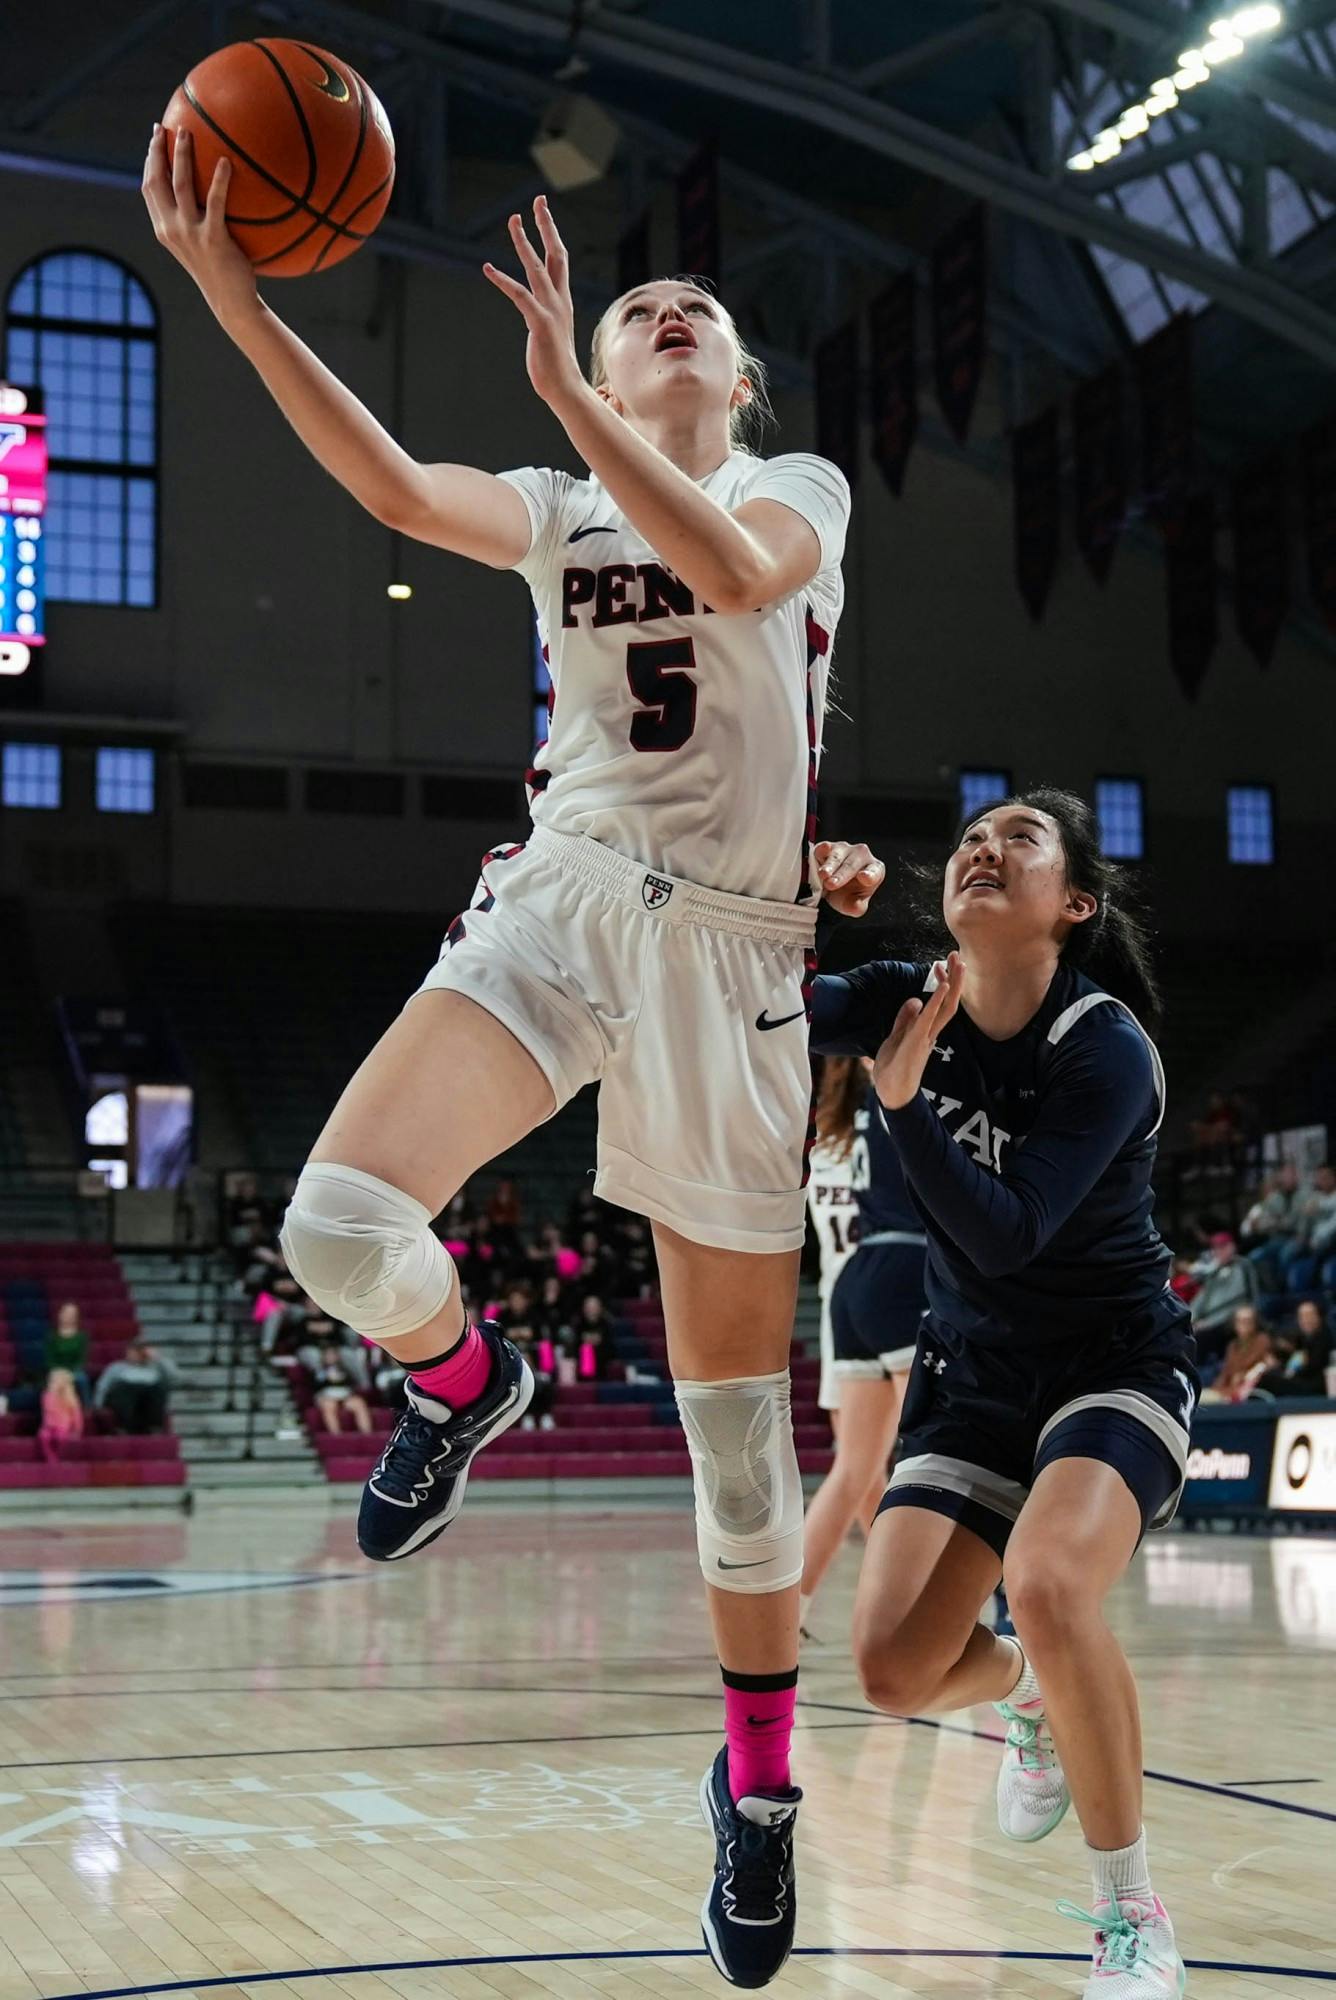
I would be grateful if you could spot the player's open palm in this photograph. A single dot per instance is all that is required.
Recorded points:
(544, 301)
(197, 237)
(902, 1058)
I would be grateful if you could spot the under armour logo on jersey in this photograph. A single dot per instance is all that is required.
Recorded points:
(935, 1363)
(655, 891)
(940, 1049)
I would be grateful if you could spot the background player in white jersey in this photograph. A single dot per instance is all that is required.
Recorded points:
(875, 1310)
(655, 933)
(832, 1202)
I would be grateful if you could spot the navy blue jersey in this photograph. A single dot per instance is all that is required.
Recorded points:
(1029, 1159)
(877, 1177)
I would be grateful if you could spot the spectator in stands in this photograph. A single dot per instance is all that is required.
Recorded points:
(553, 1310)
(1316, 1214)
(637, 1269)
(516, 1314)
(62, 1414)
(1247, 1358)
(389, 1381)
(1228, 1281)
(535, 1351)
(1303, 1355)
(1184, 1281)
(134, 1391)
(598, 1264)
(66, 1347)
(593, 1332)
(1269, 1229)
(1220, 1126)
(336, 1391)
(505, 1213)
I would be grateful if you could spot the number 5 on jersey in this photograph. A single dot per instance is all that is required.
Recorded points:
(660, 673)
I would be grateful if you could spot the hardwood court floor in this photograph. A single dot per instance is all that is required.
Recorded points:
(228, 1748)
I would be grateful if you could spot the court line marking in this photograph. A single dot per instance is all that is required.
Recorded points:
(1255, 1784)
(620, 1957)
(448, 1743)
(867, 1715)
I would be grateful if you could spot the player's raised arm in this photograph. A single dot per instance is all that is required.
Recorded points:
(457, 507)
(735, 561)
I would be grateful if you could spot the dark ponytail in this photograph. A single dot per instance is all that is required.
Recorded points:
(1112, 947)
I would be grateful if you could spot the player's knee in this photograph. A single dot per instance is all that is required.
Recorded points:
(364, 1251)
(896, 1676)
(749, 1497)
(1049, 1592)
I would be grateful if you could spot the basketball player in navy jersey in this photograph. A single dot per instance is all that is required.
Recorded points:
(1046, 1424)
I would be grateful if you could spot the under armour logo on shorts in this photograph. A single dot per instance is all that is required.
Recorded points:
(655, 891)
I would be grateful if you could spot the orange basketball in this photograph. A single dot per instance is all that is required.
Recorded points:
(311, 149)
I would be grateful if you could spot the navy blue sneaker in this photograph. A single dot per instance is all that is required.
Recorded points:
(417, 1489)
(747, 1918)
(1002, 1624)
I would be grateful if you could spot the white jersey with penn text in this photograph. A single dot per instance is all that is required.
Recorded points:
(832, 1203)
(683, 738)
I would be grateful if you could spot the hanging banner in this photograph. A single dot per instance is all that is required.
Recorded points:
(1193, 616)
(1318, 452)
(893, 384)
(1260, 507)
(836, 385)
(1164, 376)
(633, 265)
(1100, 443)
(698, 215)
(1037, 507)
(959, 316)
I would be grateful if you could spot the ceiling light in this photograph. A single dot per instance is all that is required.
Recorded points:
(399, 591)
(1107, 146)
(1191, 58)
(1222, 48)
(1189, 77)
(1081, 163)
(1164, 101)
(1133, 122)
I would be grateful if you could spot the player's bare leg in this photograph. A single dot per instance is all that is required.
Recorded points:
(869, 1414)
(729, 1318)
(445, 1089)
(1077, 1533)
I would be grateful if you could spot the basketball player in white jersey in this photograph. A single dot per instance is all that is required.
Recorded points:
(832, 1203)
(655, 932)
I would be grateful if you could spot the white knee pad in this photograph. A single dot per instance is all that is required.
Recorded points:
(365, 1252)
(749, 1496)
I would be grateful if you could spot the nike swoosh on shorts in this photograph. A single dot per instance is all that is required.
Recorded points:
(764, 1022)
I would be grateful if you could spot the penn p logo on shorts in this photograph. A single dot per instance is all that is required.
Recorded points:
(655, 891)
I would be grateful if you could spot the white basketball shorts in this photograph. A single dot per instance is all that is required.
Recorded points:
(688, 1005)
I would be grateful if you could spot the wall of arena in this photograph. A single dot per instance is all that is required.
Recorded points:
(275, 641)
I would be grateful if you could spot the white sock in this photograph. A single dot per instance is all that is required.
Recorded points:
(1026, 1690)
(1122, 1872)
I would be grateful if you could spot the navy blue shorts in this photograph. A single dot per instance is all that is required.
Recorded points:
(980, 1423)
(876, 1310)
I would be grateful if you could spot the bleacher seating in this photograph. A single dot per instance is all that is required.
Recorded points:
(248, 994)
(35, 1280)
(618, 1429)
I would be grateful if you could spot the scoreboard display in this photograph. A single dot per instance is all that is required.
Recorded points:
(22, 527)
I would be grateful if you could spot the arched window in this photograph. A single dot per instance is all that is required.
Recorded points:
(82, 328)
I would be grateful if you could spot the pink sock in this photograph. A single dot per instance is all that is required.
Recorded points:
(463, 1375)
(758, 1722)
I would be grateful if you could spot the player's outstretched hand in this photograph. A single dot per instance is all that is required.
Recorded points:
(544, 301)
(850, 875)
(903, 1056)
(199, 239)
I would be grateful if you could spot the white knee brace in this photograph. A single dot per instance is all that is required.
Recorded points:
(365, 1252)
(749, 1496)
